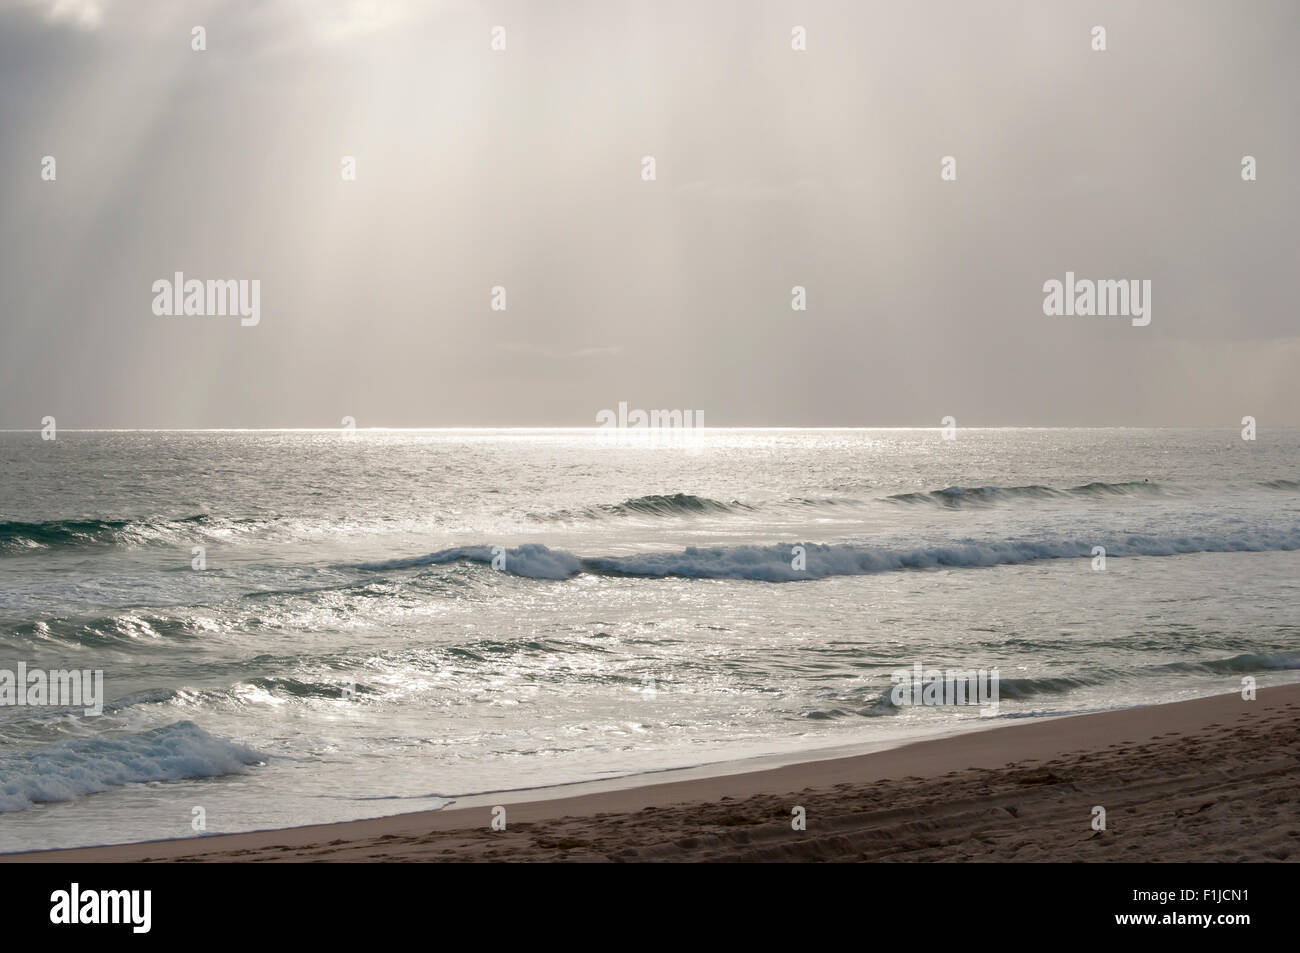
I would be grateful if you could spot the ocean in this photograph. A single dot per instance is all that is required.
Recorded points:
(391, 621)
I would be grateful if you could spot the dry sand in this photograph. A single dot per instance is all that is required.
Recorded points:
(1212, 779)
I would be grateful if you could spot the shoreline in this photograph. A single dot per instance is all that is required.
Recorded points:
(974, 790)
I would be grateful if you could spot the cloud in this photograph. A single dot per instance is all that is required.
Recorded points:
(281, 23)
(84, 14)
(356, 18)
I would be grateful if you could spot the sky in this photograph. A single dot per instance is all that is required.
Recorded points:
(522, 168)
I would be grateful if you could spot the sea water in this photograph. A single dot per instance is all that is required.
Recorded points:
(306, 626)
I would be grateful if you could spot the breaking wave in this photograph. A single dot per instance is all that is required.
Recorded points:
(655, 505)
(954, 496)
(777, 563)
(965, 495)
(70, 769)
(62, 534)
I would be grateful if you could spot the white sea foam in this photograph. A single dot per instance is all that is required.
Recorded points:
(69, 769)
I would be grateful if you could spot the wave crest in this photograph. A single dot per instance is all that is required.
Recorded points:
(777, 563)
(661, 506)
(70, 769)
(65, 534)
(987, 495)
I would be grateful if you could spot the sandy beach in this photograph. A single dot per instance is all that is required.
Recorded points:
(1210, 779)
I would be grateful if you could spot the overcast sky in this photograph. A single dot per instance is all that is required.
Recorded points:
(522, 168)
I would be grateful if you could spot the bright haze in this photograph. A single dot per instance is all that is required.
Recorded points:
(522, 168)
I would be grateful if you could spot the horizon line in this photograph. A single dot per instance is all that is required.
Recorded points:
(600, 429)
